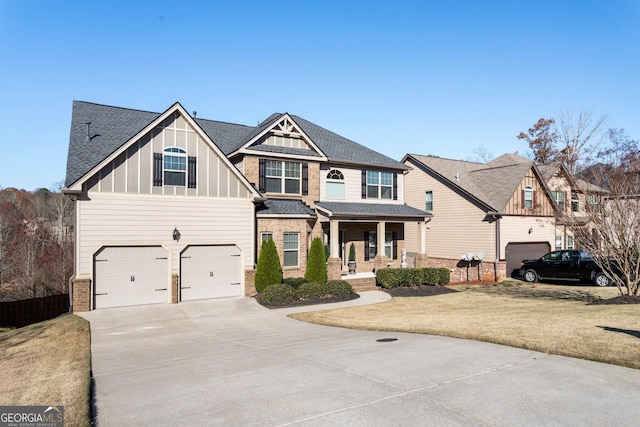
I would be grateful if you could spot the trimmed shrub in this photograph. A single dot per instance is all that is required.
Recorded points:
(311, 291)
(316, 271)
(327, 252)
(339, 287)
(394, 277)
(278, 294)
(295, 282)
(268, 270)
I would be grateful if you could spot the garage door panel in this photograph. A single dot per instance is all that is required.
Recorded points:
(210, 272)
(130, 276)
(516, 252)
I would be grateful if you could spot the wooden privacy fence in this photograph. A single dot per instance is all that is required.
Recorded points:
(34, 310)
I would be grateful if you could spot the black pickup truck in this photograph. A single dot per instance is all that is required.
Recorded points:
(571, 265)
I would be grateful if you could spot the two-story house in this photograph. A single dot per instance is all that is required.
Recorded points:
(170, 207)
(487, 218)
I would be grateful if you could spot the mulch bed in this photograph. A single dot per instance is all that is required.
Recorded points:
(620, 299)
(327, 300)
(418, 291)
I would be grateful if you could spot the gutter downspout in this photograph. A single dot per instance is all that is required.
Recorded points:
(495, 261)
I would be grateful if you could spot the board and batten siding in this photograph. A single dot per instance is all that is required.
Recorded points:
(132, 171)
(109, 219)
(353, 185)
(515, 229)
(543, 205)
(457, 227)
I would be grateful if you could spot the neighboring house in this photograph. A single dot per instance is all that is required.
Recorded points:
(171, 208)
(498, 213)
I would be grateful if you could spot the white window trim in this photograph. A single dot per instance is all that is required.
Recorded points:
(296, 250)
(528, 196)
(339, 180)
(266, 233)
(427, 201)
(178, 153)
(379, 186)
(283, 176)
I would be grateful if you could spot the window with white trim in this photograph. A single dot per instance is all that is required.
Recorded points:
(575, 202)
(558, 243)
(569, 242)
(335, 184)
(388, 244)
(528, 197)
(291, 249)
(593, 203)
(266, 235)
(428, 201)
(174, 166)
(558, 196)
(379, 185)
(283, 177)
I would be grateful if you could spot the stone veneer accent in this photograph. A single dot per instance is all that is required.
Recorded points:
(249, 282)
(175, 288)
(81, 295)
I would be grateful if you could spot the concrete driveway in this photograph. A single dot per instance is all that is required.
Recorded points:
(232, 362)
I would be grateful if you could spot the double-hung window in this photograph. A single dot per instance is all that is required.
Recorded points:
(528, 197)
(291, 249)
(575, 202)
(266, 235)
(428, 201)
(283, 177)
(593, 203)
(371, 245)
(379, 185)
(558, 196)
(174, 166)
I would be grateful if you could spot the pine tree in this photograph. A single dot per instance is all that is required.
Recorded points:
(268, 270)
(316, 265)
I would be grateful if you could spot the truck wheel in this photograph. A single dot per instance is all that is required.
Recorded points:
(601, 280)
(530, 276)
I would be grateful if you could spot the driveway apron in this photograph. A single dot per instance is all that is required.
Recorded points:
(232, 362)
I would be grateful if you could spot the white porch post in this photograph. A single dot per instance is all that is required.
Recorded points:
(380, 242)
(334, 237)
(422, 226)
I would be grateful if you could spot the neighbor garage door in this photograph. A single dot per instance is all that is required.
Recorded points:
(516, 252)
(130, 276)
(210, 272)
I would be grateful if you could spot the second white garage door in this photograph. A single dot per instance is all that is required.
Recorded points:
(210, 272)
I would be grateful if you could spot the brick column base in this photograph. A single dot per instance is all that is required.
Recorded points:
(175, 288)
(249, 282)
(381, 262)
(422, 260)
(81, 297)
(334, 269)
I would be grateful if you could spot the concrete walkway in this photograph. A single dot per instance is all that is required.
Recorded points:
(232, 362)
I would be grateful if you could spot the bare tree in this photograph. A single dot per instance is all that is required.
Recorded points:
(542, 138)
(613, 231)
(579, 136)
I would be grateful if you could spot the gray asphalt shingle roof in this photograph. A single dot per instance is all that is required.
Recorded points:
(284, 207)
(493, 183)
(371, 209)
(112, 126)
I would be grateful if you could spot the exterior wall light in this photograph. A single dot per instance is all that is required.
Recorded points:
(530, 231)
(176, 234)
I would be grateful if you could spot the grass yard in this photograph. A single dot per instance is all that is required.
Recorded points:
(552, 319)
(48, 364)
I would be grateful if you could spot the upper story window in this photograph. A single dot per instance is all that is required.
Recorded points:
(174, 166)
(379, 185)
(558, 196)
(278, 176)
(528, 197)
(428, 201)
(335, 184)
(593, 203)
(575, 202)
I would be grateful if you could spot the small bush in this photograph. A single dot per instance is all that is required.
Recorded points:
(295, 282)
(316, 271)
(278, 294)
(311, 291)
(339, 287)
(395, 277)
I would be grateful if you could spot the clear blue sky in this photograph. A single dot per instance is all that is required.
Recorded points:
(426, 77)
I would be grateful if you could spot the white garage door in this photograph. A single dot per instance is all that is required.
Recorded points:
(210, 272)
(131, 276)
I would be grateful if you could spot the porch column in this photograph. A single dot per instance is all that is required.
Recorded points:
(334, 265)
(381, 259)
(422, 259)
